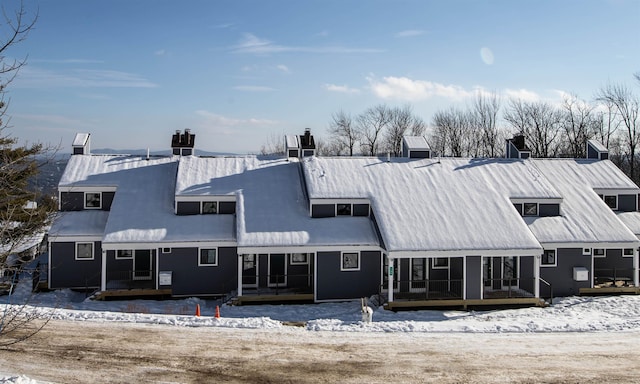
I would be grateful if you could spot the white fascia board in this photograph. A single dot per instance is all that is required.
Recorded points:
(340, 201)
(308, 249)
(192, 198)
(616, 191)
(87, 188)
(73, 238)
(604, 245)
(538, 200)
(188, 244)
(463, 253)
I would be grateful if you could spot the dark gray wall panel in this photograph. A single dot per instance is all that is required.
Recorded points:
(323, 210)
(527, 276)
(561, 277)
(188, 278)
(227, 207)
(360, 209)
(72, 201)
(627, 203)
(188, 208)
(107, 199)
(614, 265)
(334, 284)
(548, 210)
(67, 272)
(474, 277)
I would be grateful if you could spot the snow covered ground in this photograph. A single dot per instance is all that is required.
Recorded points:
(569, 314)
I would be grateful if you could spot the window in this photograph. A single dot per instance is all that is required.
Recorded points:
(124, 254)
(344, 210)
(440, 263)
(92, 200)
(208, 257)
(299, 258)
(166, 250)
(611, 201)
(84, 251)
(209, 207)
(530, 209)
(350, 261)
(598, 252)
(549, 257)
(627, 252)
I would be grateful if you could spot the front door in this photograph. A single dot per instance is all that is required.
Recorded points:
(277, 270)
(509, 272)
(142, 264)
(250, 271)
(418, 275)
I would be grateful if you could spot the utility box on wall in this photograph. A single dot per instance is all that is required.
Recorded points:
(580, 274)
(164, 278)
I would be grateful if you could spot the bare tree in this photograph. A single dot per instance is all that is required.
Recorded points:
(453, 133)
(371, 124)
(343, 133)
(539, 122)
(579, 124)
(627, 108)
(274, 145)
(486, 109)
(402, 122)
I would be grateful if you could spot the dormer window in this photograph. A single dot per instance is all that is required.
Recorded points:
(611, 201)
(343, 210)
(92, 200)
(530, 209)
(209, 207)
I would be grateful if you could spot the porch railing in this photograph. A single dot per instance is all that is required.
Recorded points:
(416, 290)
(620, 277)
(508, 288)
(130, 279)
(278, 284)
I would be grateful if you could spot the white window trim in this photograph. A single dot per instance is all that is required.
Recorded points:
(586, 251)
(124, 257)
(434, 266)
(92, 193)
(200, 264)
(633, 252)
(555, 259)
(604, 252)
(342, 268)
(166, 250)
(306, 262)
(93, 251)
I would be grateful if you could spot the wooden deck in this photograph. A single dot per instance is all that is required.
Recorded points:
(465, 304)
(613, 290)
(128, 293)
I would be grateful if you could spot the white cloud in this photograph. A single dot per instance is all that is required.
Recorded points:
(224, 123)
(253, 88)
(160, 52)
(522, 94)
(283, 68)
(341, 89)
(410, 33)
(32, 77)
(253, 44)
(403, 88)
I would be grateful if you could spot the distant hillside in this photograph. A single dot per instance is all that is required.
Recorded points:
(143, 152)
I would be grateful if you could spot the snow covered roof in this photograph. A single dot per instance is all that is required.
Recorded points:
(292, 141)
(585, 218)
(272, 210)
(436, 206)
(78, 224)
(80, 139)
(415, 142)
(598, 146)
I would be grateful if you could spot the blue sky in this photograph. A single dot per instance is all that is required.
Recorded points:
(237, 72)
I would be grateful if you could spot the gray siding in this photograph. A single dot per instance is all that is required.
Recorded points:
(627, 203)
(613, 265)
(561, 277)
(188, 208)
(323, 210)
(71, 201)
(334, 284)
(107, 199)
(188, 278)
(67, 272)
(227, 207)
(300, 276)
(527, 275)
(473, 281)
(548, 210)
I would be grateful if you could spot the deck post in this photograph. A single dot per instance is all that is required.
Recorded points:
(536, 275)
(240, 266)
(636, 277)
(390, 273)
(103, 275)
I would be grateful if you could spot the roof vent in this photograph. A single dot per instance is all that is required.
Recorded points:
(81, 144)
(415, 147)
(595, 150)
(516, 148)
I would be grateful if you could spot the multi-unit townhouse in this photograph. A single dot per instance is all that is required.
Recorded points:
(418, 230)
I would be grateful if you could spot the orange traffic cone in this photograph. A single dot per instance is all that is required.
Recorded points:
(217, 312)
(198, 310)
